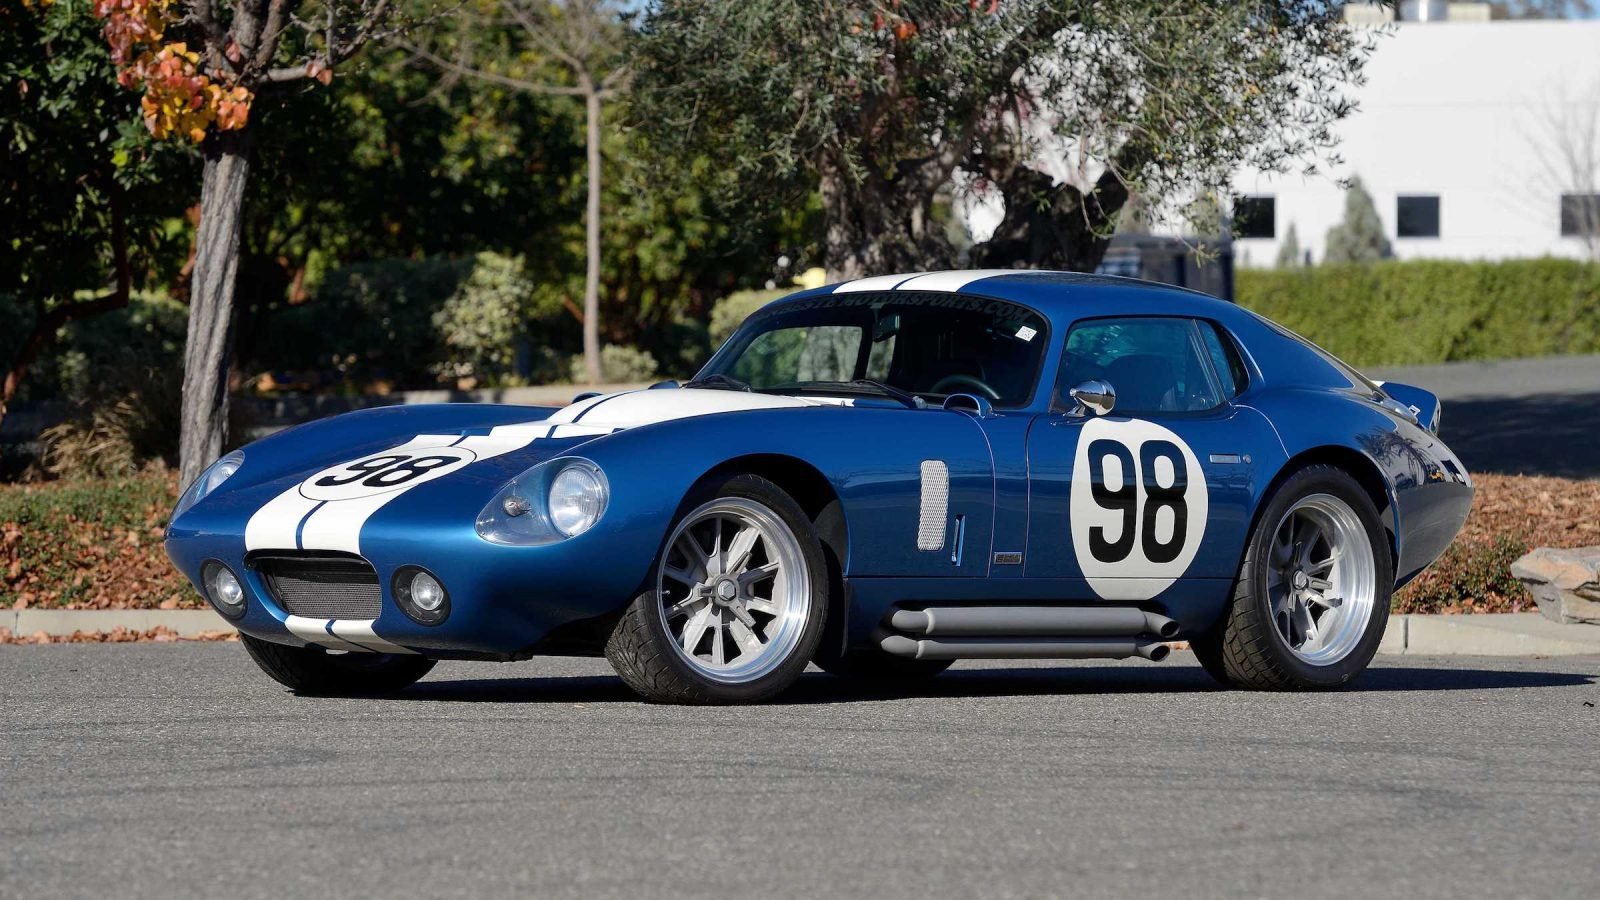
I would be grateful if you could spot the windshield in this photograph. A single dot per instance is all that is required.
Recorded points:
(929, 345)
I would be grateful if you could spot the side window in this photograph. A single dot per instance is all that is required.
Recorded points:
(1225, 360)
(1153, 363)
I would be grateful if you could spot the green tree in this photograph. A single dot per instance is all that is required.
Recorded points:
(880, 106)
(1289, 251)
(81, 205)
(582, 37)
(1359, 238)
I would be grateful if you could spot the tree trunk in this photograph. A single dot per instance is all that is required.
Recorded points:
(210, 340)
(591, 275)
(1052, 226)
(880, 226)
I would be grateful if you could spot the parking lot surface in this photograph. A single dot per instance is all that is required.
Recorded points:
(161, 770)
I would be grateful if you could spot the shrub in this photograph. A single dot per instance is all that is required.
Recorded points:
(618, 365)
(1473, 575)
(89, 543)
(1429, 311)
(367, 321)
(731, 311)
(484, 320)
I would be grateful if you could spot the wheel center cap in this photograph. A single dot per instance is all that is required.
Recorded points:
(726, 590)
(1300, 581)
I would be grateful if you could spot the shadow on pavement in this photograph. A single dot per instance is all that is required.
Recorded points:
(1542, 434)
(1021, 682)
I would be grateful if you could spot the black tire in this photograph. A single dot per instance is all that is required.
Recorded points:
(1246, 650)
(313, 670)
(646, 655)
(871, 665)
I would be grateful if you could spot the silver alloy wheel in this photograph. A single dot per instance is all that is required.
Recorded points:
(1322, 579)
(734, 590)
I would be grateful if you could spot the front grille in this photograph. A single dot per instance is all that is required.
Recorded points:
(338, 587)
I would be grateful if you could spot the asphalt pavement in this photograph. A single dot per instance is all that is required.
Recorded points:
(1517, 416)
(179, 770)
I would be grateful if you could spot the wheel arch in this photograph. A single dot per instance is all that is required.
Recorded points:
(1357, 465)
(817, 497)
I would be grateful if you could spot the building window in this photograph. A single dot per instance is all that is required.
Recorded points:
(1255, 217)
(1580, 215)
(1417, 216)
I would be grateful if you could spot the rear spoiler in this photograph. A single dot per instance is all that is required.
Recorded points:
(1421, 404)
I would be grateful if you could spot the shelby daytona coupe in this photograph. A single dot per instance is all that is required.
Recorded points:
(880, 477)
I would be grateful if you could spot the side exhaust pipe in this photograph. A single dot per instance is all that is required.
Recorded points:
(999, 648)
(1033, 621)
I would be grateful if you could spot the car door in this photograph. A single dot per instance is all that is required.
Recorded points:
(1122, 505)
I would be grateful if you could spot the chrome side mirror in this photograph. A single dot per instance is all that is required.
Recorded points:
(1093, 396)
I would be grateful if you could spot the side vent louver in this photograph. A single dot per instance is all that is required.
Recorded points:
(935, 505)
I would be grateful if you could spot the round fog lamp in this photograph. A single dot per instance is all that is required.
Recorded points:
(223, 589)
(420, 595)
(426, 592)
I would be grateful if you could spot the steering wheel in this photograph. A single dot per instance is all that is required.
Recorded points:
(944, 385)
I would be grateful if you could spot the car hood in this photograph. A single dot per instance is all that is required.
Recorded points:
(318, 486)
(630, 409)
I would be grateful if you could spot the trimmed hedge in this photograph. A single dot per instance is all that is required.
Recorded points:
(1430, 311)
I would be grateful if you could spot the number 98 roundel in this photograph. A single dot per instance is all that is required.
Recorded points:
(1138, 507)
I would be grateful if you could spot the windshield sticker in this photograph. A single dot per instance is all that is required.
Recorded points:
(1027, 333)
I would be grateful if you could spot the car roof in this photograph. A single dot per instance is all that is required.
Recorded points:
(1059, 296)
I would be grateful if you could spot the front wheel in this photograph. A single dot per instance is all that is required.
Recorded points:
(1312, 597)
(737, 604)
(314, 670)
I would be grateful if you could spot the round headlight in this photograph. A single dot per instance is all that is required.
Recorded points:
(223, 589)
(209, 480)
(577, 499)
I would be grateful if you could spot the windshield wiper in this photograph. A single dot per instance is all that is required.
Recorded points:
(906, 398)
(719, 382)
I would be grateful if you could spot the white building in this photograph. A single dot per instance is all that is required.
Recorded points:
(1476, 140)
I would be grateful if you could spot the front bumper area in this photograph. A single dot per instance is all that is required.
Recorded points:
(504, 601)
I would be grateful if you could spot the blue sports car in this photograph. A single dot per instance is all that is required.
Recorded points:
(879, 477)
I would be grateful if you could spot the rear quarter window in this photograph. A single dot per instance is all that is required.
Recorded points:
(1225, 359)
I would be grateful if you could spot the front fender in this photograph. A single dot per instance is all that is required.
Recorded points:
(871, 458)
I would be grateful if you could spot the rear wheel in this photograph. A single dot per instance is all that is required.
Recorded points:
(314, 670)
(1312, 597)
(737, 605)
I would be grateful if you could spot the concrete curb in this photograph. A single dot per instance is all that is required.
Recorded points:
(61, 622)
(1502, 634)
(1508, 634)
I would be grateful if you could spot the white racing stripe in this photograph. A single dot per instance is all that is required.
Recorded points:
(359, 632)
(632, 409)
(315, 631)
(277, 524)
(350, 635)
(950, 281)
(943, 282)
(875, 283)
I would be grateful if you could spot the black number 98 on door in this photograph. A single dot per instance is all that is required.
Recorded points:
(1158, 461)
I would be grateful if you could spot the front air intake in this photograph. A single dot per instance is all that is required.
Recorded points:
(323, 587)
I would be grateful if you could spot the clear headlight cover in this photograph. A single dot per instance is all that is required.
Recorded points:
(550, 502)
(209, 480)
